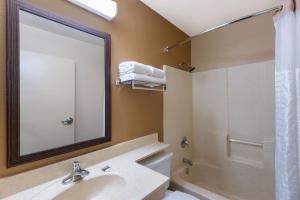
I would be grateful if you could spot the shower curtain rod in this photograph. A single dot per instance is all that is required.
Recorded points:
(167, 49)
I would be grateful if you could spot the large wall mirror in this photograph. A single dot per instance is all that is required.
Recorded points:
(58, 84)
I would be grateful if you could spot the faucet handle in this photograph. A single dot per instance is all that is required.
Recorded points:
(76, 166)
(77, 174)
(185, 142)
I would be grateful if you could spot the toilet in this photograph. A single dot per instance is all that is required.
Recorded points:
(161, 163)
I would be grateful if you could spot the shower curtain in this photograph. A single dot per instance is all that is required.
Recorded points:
(287, 25)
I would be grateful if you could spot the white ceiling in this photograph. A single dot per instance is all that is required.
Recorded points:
(196, 16)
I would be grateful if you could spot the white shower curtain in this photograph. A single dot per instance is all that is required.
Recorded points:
(287, 24)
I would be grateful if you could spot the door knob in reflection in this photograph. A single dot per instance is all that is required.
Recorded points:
(68, 121)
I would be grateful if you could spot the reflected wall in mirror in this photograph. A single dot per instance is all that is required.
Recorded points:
(62, 100)
(61, 85)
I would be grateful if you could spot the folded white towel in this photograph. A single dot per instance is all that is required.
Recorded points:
(139, 68)
(158, 72)
(134, 67)
(143, 78)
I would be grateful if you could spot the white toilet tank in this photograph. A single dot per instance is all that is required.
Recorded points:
(160, 162)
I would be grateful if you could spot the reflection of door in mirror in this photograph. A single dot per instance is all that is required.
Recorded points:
(47, 97)
(58, 84)
(62, 85)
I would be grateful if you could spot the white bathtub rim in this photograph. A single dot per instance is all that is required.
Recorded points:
(194, 188)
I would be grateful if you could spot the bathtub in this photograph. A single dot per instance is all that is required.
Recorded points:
(182, 180)
(234, 180)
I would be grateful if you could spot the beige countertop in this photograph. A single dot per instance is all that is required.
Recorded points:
(138, 182)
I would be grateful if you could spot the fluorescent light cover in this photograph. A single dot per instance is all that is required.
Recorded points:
(105, 8)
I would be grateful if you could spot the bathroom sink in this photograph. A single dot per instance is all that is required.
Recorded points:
(101, 187)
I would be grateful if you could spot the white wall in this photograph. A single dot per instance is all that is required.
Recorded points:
(238, 101)
(89, 59)
(47, 97)
(209, 115)
(251, 107)
(178, 113)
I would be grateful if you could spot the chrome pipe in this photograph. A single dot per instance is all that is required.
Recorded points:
(275, 9)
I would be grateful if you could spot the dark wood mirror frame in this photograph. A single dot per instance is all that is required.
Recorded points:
(13, 83)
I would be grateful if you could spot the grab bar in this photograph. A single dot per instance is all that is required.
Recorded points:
(229, 140)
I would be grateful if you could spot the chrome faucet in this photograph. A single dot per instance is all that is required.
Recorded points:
(185, 142)
(77, 174)
(187, 161)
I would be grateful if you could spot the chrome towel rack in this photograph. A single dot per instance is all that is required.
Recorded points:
(140, 85)
(230, 140)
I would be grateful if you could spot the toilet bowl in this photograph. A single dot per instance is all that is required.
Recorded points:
(161, 163)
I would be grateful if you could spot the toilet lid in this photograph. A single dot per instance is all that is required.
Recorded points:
(179, 196)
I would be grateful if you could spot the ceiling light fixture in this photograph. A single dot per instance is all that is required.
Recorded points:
(107, 9)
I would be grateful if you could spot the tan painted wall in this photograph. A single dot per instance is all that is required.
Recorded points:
(138, 33)
(246, 42)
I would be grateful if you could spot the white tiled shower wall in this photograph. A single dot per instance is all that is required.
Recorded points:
(238, 101)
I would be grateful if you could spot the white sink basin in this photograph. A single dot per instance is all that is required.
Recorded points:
(101, 187)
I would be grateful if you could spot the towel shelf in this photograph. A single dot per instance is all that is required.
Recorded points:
(140, 85)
